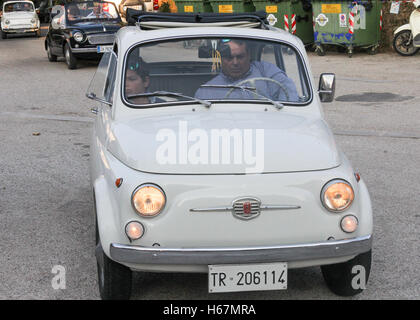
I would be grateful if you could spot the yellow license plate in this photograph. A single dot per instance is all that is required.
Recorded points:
(271, 9)
(188, 8)
(331, 8)
(225, 8)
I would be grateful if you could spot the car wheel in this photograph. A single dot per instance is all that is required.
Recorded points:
(51, 57)
(71, 60)
(344, 279)
(3, 35)
(114, 279)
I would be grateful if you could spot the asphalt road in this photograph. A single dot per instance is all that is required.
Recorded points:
(46, 204)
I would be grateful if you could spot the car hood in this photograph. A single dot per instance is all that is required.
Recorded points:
(96, 26)
(19, 15)
(193, 143)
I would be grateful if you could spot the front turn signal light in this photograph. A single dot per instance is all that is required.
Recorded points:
(337, 195)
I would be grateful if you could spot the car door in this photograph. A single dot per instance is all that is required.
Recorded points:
(56, 30)
(102, 90)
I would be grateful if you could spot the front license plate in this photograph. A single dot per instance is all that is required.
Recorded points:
(102, 49)
(247, 277)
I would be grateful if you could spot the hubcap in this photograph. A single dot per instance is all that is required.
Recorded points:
(68, 56)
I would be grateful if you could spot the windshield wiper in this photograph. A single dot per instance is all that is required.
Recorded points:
(277, 104)
(170, 94)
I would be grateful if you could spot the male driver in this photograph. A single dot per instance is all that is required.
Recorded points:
(238, 67)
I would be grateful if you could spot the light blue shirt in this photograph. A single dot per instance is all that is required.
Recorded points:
(258, 69)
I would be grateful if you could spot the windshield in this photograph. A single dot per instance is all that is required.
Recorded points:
(19, 6)
(92, 10)
(215, 69)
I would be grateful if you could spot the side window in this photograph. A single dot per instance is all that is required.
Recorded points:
(110, 78)
(102, 85)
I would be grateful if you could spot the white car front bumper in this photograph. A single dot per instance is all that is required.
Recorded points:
(206, 256)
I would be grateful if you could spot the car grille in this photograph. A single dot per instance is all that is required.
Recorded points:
(101, 38)
(246, 208)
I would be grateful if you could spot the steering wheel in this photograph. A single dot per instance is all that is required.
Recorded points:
(252, 81)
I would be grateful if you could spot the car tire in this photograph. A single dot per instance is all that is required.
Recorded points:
(3, 35)
(341, 277)
(51, 57)
(114, 279)
(71, 60)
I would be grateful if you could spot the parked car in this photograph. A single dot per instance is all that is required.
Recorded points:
(216, 158)
(81, 30)
(19, 17)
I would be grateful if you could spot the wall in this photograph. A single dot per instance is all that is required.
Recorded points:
(390, 21)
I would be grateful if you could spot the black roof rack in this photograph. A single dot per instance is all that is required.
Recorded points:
(134, 17)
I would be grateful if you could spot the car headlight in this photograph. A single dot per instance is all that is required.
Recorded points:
(78, 36)
(33, 20)
(148, 200)
(337, 195)
(7, 22)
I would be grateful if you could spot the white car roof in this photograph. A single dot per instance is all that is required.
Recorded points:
(131, 35)
(20, 1)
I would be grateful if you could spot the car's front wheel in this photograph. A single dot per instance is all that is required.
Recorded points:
(71, 60)
(348, 278)
(114, 279)
(51, 57)
(3, 35)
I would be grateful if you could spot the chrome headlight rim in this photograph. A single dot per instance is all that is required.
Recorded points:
(80, 35)
(329, 184)
(148, 184)
(7, 22)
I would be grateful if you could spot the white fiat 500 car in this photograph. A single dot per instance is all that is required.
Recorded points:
(19, 17)
(215, 158)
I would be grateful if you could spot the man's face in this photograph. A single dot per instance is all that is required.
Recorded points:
(239, 61)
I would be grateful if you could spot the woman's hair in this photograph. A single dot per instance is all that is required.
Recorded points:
(139, 66)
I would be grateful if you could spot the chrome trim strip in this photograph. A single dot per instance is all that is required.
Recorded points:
(280, 207)
(84, 50)
(269, 207)
(216, 209)
(204, 256)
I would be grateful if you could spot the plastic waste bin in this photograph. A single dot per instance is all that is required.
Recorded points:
(232, 6)
(348, 24)
(186, 6)
(294, 16)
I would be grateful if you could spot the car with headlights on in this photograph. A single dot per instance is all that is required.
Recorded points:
(81, 30)
(19, 17)
(216, 158)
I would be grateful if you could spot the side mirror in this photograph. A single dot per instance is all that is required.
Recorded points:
(326, 88)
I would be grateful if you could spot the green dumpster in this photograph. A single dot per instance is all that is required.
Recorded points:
(232, 6)
(294, 16)
(348, 24)
(187, 6)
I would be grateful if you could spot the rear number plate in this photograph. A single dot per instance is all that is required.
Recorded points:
(247, 277)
